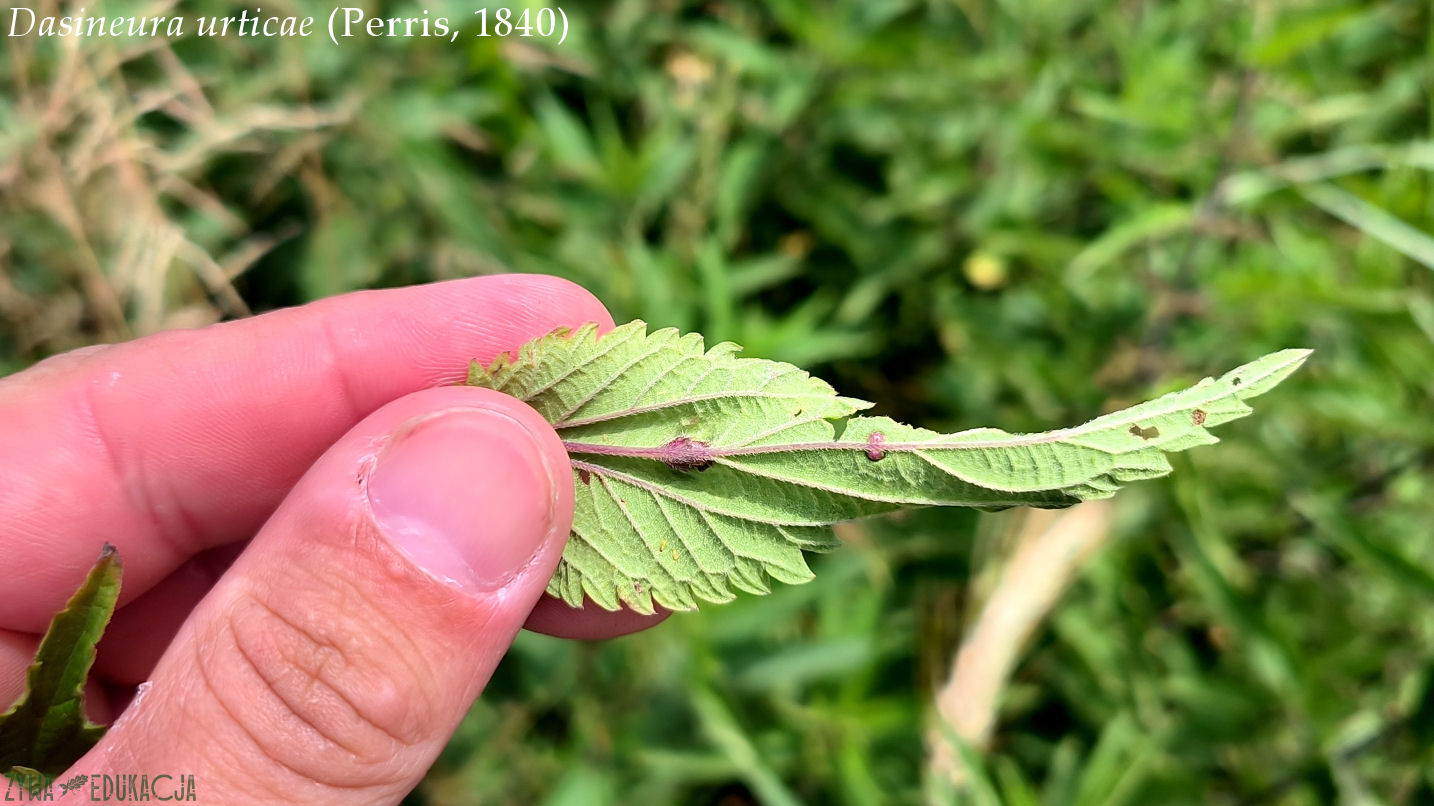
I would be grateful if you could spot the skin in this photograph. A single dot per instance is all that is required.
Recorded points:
(182, 446)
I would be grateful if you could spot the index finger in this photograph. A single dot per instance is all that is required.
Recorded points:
(185, 440)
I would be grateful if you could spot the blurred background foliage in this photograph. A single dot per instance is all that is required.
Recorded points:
(975, 212)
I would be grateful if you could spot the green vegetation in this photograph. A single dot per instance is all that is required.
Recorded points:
(975, 213)
(47, 730)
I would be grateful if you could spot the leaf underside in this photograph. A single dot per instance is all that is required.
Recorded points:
(47, 730)
(699, 473)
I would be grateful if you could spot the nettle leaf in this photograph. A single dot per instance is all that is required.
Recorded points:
(47, 730)
(699, 472)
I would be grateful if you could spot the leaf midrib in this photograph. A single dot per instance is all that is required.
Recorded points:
(947, 443)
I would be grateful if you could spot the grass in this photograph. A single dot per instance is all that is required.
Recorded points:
(975, 213)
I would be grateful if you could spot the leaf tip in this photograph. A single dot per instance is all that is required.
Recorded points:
(109, 561)
(1263, 374)
(855, 403)
(1294, 357)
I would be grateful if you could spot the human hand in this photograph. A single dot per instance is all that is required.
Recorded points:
(401, 534)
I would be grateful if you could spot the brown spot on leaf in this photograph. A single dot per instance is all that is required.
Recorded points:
(584, 476)
(1144, 433)
(874, 441)
(1198, 416)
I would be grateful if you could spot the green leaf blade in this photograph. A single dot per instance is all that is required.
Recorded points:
(47, 729)
(700, 472)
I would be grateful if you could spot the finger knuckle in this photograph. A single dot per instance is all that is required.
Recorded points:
(331, 697)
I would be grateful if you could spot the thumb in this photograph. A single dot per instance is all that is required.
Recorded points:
(334, 660)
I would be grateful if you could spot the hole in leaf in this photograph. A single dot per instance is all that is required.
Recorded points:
(1144, 433)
